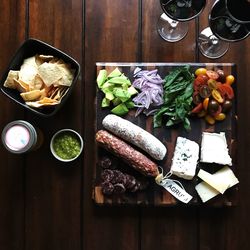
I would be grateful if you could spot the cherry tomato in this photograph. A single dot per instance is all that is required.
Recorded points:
(202, 113)
(212, 74)
(230, 79)
(205, 103)
(226, 106)
(213, 107)
(215, 113)
(209, 119)
(212, 84)
(226, 90)
(197, 109)
(217, 96)
(205, 91)
(202, 79)
(221, 74)
(200, 71)
(220, 117)
(196, 97)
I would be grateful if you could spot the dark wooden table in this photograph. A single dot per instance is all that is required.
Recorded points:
(47, 205)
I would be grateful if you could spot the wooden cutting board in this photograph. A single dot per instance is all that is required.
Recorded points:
(155, 195)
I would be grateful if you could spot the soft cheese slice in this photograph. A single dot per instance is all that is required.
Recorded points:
(185, 158)
(206, 192)
(214, 181)
(214, 149)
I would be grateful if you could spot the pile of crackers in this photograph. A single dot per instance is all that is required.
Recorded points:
(43, 80)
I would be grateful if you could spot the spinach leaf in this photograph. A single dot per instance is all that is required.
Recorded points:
(178, 91)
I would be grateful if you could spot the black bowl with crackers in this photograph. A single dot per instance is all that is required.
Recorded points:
(40, 77)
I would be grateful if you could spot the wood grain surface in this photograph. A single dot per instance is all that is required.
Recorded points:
(46, 204)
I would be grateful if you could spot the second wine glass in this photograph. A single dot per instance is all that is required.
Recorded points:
(227, 23)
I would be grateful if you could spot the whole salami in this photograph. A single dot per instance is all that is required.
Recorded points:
(134, 134)
(127, 153)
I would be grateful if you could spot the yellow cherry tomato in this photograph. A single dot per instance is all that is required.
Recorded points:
(212, 84)
(209, 119)
(200, 71)
(202, 113)
(205, 103)
(230, 79)
(217, 96)
(220, 117)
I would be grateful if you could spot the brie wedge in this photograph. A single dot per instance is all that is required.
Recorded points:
(214, 149)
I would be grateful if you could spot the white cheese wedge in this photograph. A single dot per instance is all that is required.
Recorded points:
(207, 192)
(214, 181)
(214, 149)
(185, 158)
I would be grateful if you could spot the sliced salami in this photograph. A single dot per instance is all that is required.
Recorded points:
(119, 188)
(107, 188)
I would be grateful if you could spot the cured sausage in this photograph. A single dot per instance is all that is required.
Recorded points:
(132, 133)
(127, 153)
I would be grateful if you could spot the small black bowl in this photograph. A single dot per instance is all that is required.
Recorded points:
(30, 48)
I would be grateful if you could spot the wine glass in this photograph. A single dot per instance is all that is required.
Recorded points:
(227, 23)
(172, 26)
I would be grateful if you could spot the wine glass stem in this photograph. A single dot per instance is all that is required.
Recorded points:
(173, 25)
(213, 40)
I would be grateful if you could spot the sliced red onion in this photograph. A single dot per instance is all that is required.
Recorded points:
(150, 84)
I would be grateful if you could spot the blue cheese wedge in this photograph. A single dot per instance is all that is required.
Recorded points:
(214, 149)
(224, 175)
(185, 158)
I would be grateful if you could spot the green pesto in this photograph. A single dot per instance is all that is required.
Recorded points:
(67, 145)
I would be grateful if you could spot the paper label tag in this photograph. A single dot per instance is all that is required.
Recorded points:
(177, 191)
(173, 187)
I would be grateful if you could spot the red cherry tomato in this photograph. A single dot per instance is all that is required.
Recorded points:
(212, 74)
(202, 78)
(226, 90)
(197, 109)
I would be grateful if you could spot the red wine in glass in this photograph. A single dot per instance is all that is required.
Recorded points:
(229, 21)
(182, 10)
(239, 10)
(224, 26)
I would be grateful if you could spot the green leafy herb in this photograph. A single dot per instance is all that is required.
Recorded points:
(178, 91)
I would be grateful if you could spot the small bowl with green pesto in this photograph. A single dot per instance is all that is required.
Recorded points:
(66, 145)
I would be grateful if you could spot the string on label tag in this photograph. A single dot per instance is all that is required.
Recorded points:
(173, 186)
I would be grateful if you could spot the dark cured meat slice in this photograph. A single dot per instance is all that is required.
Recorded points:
(130, 181)
(105, 162)
(107, 188)
(119, 188)
(127, 153)
(107, 175)
(118, 177)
